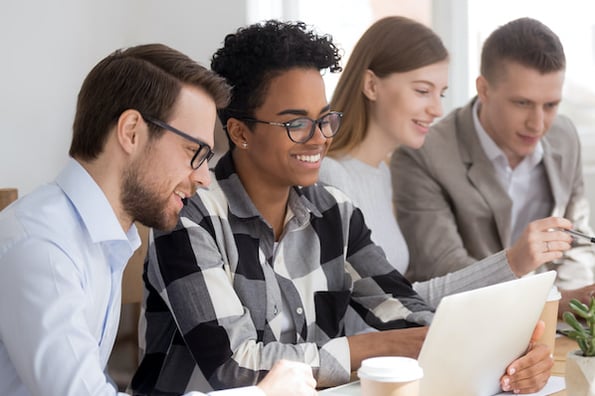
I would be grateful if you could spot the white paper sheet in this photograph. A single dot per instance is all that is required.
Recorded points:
(554, 384)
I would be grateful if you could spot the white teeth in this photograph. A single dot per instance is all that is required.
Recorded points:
(180, 194)
(423, 124)
(309, 158)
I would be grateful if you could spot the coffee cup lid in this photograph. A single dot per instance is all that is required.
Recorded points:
(554, 294)
(390, 369)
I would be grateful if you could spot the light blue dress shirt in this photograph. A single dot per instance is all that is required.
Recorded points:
(62, 255)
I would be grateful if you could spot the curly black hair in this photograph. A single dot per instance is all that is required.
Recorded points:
(252, 56)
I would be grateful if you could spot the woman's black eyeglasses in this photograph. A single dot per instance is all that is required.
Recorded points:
(300, 130)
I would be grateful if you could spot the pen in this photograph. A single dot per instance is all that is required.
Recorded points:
(580, 234)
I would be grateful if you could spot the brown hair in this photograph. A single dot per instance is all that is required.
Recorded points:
(391, 45)
(147, 78)
(526, 41)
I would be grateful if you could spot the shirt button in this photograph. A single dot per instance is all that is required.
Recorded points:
(299, 310)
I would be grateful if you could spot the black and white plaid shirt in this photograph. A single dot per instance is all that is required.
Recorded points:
(216, 284)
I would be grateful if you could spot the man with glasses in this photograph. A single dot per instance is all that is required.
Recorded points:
(63, 248)
(268, 264)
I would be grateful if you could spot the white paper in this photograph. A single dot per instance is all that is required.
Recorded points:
(554, 384)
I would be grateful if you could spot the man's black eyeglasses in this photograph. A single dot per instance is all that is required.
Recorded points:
(202, 154)
(300, 130)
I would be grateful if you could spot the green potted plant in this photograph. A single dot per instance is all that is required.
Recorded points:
(580, 364)
(584, 336)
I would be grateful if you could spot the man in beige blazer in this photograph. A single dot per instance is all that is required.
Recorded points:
(490, 170)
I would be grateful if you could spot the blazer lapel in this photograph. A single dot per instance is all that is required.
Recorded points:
(552, 161)
(481, 174)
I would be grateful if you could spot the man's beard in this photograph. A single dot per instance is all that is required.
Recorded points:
(142, 201)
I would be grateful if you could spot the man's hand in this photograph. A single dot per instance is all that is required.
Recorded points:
(582, 294)
(530, 373)
(540, 243)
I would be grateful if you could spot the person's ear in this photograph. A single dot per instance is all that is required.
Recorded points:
(238, 133)
(370, 85)
(483, 87)
(127, 130)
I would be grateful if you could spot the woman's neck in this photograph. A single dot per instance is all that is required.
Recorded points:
(270, 200)
(375, 148)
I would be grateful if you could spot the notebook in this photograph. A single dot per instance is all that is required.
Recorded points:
(475, 335)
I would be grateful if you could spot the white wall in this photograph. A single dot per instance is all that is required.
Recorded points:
(48, 47)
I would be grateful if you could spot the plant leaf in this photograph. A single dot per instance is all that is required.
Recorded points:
(582, 343)
(579, 308)
(573, 322)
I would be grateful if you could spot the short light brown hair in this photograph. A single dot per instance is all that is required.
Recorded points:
(147, 78)
(525, 41)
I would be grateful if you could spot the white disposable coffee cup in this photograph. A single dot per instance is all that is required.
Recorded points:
(549, 315)
(390, 376)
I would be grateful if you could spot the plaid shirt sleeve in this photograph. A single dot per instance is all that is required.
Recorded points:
(215, 291)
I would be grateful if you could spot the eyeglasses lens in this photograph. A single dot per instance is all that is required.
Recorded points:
(303, 129)
(203, 154)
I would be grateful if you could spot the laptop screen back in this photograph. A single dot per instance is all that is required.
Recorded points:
(475, 335)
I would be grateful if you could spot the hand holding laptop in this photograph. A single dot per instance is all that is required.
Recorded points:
(462, 360)
(473, 338)
(530, 372)
(475, 335)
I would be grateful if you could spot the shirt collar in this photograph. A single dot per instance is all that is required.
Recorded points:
(93, 207)
(240, 203)
(493, 152)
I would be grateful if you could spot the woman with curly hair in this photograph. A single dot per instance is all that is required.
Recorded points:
(268, 264)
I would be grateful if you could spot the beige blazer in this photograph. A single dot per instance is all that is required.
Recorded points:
(453, 211)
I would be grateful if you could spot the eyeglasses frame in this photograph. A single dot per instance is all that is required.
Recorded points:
(201, 144)
(315, 123)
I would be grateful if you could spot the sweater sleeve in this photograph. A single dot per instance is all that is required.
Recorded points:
(489, 271)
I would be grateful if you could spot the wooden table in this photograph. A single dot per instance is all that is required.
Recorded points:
(7, 195)
(562, 347)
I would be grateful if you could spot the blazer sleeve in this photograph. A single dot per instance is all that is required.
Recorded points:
(576, 268)
(425, 216)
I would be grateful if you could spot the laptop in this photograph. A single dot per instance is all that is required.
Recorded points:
(475, 335)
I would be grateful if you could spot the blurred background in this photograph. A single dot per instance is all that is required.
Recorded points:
(49, 47)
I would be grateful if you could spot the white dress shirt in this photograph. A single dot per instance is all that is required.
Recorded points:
(526, 184)
(62, 255)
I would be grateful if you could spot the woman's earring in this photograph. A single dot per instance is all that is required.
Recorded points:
(244, 144)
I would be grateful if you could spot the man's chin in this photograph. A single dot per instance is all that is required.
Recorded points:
(165, 224)
(170, 223)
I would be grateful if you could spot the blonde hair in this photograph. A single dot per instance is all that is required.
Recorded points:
(393, 44)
